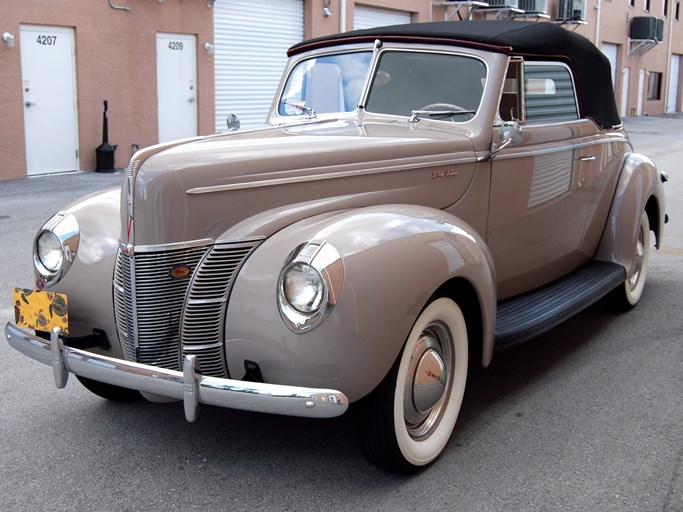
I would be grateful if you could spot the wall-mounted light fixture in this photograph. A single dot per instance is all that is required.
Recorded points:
(326, 8)
(9, 39)
(209, 4)
(208, 47)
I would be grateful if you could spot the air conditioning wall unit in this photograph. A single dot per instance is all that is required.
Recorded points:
(660, 30)
(534, 6)
(502, 4)
(646, 28)
(571, 10)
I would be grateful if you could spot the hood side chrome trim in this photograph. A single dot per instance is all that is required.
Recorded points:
(327, 176)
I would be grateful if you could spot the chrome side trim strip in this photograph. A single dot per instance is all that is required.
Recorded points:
(186, 385)
(326, 175)
(556, 149)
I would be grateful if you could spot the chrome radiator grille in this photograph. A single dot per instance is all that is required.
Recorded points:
(159, 319)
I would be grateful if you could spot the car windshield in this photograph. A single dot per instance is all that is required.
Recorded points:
(330, 83)
(435, 85)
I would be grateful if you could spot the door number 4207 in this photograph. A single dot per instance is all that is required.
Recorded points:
(47, 40)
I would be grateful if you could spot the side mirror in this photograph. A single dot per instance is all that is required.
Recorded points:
(510, 134)
(233, 122)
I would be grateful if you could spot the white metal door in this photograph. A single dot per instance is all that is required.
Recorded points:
(49, 94)
(641, 91)
(251, 41)
(674, 74)
(625, 78)
(176, 86)
(368, 17)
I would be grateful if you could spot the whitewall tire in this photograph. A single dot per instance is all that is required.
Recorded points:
(407, 421)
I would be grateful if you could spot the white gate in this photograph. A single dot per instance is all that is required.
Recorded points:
(49, 94)
(176, 86)
(674, 75)
(250, 43)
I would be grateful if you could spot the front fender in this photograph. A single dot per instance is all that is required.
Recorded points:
(88, 283)
(639, 189)
(395, 258)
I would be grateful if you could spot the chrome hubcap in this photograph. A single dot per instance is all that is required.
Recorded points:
(428, 381)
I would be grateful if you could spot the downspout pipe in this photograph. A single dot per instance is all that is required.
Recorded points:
(119, 7)
(342, 16)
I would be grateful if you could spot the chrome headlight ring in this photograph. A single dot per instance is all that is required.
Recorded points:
(55, 247)
(309, 285)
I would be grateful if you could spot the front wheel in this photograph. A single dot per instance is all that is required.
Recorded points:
(109, 391)
(405, 423)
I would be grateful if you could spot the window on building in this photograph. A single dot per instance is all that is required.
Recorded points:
(632, 3)
(647, 5)
(665, 8)
(676, 10)
(654, 86)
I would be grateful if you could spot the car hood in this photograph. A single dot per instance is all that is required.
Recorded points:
(246, 184)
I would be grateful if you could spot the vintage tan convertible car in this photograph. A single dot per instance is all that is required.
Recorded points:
(422, 196)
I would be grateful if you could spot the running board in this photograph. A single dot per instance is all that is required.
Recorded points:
(522, 318)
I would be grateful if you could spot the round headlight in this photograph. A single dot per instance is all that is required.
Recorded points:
(49, 251)
(303, 288)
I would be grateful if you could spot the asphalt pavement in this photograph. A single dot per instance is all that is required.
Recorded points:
(589, 417)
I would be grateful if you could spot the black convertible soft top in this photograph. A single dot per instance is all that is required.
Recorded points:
(532, 40)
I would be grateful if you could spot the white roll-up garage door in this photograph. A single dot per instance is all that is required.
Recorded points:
(611, 51)
(250, 44)
(368, 17)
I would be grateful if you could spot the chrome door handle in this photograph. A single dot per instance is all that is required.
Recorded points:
(589, 158)
(28, 104)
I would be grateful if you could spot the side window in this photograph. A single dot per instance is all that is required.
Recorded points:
(549, 93)
(510, 108)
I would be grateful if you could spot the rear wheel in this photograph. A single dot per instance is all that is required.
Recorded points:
(627, 295)
(406, 422)
(109, 391)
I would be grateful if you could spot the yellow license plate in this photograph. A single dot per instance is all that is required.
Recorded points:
(40, 310)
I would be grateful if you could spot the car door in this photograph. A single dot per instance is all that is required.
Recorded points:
(540, 187)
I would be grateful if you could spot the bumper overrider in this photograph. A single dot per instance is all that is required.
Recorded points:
(188, 385)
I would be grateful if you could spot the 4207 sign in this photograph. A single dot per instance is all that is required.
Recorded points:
(46, 40)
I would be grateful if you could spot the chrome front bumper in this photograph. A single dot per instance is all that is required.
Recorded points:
(189, 386)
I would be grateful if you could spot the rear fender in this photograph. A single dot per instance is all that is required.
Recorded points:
(639, 189)
(394, 259)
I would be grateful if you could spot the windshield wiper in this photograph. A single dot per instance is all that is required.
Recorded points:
(308, 110)
(437, 113)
